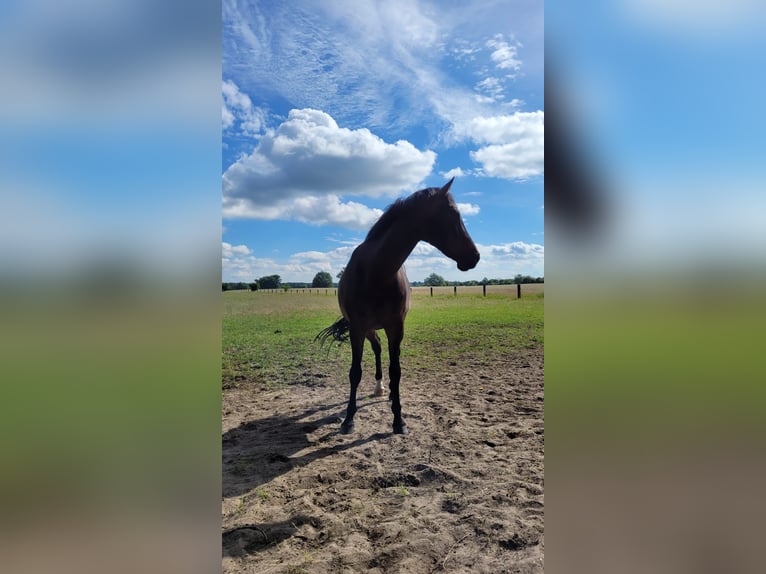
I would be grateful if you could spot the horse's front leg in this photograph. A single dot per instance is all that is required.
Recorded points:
(354, 376)
(372, 336)
(395, 335)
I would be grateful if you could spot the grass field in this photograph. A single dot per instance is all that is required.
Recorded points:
(268, 338)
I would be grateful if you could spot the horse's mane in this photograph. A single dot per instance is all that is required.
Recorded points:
(394, 210)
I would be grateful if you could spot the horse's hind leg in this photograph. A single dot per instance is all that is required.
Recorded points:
(354, 376)
(372, 336)
(395, 335)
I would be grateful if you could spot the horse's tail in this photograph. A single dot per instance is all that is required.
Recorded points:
(338, 331)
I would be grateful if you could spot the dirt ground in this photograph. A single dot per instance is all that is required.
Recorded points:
(463, 492)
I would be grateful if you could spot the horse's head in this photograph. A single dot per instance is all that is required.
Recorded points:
(444, 229)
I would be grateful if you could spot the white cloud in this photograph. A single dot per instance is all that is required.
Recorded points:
(504, 55)
(301, 266)
(502, 129)
(237, 108)
(515, 250)
(326, 210)
(366, 61)
(492, 89)
(468, 209)
(509, 259)
(454, 172)
(464, 51)
(300, 171)
(229, 250)
(227, 118)
(423, 248)
(497, 261)
(516, 147)
(360, 60)
(518, 160)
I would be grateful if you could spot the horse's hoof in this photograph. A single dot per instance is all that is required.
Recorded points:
(346, 428)
(401, 429)
(378, 393)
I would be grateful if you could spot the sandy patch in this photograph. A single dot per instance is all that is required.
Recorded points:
(463, 492)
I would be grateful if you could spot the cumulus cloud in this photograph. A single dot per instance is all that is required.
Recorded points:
(317, 210)
(468, 209)
(505, 128)
(229, 250)
(516, 144)
(518, 160)
(301, 169)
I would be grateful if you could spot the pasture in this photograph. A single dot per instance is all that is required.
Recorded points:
(462, 492)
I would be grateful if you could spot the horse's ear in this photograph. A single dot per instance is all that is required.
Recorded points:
(446, 187)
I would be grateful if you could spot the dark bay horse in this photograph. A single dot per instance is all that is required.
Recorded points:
(374, 292)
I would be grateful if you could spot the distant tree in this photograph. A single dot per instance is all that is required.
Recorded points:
(322, 279)
(527, 279)
(340, 274)
(225, 286)
(270, 282)
(434, 280)
(254, 286)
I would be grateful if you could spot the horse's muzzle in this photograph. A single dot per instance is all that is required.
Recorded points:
(467, 264)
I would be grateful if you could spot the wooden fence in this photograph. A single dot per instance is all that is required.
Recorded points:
(517, 290)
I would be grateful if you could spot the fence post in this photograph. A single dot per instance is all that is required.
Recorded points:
(432, 291)
(484, 289)
(454, 287)
(518, 290)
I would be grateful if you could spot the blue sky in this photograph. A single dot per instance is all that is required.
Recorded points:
(332, 110)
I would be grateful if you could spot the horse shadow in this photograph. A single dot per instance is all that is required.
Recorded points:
(240, 541)
(256, 452)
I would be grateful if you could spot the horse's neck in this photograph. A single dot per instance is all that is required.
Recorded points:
(394, 246)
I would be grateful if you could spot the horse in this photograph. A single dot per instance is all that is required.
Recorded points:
(374, 293)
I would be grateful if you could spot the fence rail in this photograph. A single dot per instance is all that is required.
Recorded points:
(517, 290)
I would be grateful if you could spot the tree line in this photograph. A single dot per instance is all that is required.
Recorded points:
(324, 279)
(434, 280)
(321, 279)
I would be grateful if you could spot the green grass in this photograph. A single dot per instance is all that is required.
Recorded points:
(268, 338)
(441, 328)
